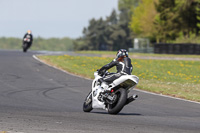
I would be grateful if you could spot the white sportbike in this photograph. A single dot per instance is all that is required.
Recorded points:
(112, 97)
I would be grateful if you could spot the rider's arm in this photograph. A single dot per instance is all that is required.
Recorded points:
(23, 38)
(128, 66)
(109, 65)
(24, 35)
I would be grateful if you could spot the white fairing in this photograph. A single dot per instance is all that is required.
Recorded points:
(124, 78)
(95, 102)
(96, 88)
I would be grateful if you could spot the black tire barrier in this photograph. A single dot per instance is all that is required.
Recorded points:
(167, 48)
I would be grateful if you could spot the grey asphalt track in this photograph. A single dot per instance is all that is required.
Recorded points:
(36, 98)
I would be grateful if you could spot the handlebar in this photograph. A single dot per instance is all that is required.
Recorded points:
(102, 74)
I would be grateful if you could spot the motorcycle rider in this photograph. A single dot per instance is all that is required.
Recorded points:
(123, 66)
(29, 36)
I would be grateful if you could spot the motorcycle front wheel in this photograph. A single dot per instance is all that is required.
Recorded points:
(25, 47)
(116, 107)
(87, 105)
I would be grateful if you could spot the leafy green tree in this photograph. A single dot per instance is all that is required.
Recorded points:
(112, 33)
(143, 17)
(105, 34)
(94, 35)
(176, 17)
(187, 16)
(126, 7)
(166, 21)
(198, 16)
(126, 11)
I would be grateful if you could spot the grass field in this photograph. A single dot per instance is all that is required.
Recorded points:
(170, 77)
(104, 53)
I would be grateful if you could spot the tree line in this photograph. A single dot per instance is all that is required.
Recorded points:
(39, 43)
(159, 20)
(162, 21)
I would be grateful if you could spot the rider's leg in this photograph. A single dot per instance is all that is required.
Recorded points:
(29, 45)
(102, 80)
(111, 78)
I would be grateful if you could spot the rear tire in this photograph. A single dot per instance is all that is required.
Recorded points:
(116, 107)
(87, 105)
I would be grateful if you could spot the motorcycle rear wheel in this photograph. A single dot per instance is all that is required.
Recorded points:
(87, 105)
(116, 107)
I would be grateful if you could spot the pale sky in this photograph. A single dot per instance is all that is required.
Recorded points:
(51, 18)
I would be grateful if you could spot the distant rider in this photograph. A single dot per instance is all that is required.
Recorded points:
(28, 38)
(123, 66)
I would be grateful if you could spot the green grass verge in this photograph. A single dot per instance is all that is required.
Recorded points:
(169, 77)
(103, 53)
(52, 44)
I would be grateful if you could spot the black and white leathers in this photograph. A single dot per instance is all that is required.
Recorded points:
(123, 67)
(28, 36)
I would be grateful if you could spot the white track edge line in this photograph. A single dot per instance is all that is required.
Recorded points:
(34, 56)
(167, 96)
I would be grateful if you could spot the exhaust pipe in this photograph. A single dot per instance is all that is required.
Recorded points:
(131, 98)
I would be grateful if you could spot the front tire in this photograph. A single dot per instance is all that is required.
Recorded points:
(24, 50)
(25, 47)
(87, 105)
(116, 107)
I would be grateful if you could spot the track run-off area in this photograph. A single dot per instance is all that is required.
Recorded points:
(36, 98)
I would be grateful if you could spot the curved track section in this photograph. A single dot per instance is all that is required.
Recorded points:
(35, 98)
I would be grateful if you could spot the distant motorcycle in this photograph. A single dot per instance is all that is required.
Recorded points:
(112, 97)
(26, 44)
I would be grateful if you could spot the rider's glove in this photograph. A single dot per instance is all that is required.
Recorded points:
(101, 72)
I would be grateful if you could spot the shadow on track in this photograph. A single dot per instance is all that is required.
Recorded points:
(134, 114)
